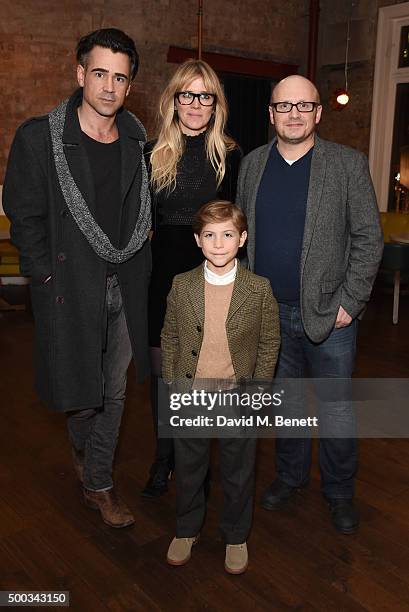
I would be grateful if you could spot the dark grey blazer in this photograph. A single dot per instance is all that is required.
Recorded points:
(343, 242)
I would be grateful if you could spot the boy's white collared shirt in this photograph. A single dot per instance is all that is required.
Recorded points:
(220, 279)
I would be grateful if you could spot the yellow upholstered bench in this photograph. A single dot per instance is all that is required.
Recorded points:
(394, 223)
(4, 223)
(9, 259)
(9, 269)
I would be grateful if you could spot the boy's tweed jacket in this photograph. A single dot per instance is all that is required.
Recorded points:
(252, 327)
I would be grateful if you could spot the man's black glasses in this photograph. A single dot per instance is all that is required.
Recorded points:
(287, 107)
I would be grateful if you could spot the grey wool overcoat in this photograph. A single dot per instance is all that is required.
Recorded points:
(69, 309)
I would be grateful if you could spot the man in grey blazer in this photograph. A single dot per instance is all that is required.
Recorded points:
(314, 231)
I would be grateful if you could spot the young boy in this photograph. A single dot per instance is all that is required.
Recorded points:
(221, 322)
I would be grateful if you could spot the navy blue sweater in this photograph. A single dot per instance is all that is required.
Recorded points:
(280, 218)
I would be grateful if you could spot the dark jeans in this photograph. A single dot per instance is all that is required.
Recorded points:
(237, 459)
(332, 358)
(95, 431)
(164, 460)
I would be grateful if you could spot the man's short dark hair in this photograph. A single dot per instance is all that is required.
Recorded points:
(110, 38)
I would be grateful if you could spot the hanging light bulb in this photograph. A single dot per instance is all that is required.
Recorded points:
(343, 97)
(339, 99)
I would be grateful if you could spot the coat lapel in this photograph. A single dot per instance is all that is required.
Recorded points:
(259, 167)
(76, 155)
(131, 156)
(131, 152)
(196, 292)
(317, 177)
(240, 293)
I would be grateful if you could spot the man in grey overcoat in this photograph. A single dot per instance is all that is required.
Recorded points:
(76, 192)
(314, 231)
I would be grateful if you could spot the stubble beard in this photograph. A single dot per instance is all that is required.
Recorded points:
(100, 108)
(297, 139)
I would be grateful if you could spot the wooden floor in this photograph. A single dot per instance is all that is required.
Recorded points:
(50, 541)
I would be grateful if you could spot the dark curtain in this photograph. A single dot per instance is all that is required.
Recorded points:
(248, 100)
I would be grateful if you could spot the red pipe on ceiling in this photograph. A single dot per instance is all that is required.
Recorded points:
(313, 39)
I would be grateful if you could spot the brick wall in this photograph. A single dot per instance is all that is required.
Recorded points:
(352, 124)
(38, 39)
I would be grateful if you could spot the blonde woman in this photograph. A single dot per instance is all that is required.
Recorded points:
(192, 162)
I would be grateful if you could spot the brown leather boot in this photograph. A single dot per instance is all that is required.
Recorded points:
(114, 511)
(78, 461)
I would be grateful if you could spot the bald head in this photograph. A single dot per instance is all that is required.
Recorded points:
(295, 122)
(295, 86)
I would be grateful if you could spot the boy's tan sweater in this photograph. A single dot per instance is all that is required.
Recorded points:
(214, 357)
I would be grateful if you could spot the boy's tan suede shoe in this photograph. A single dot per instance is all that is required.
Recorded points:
(237, 558)
(179, 551)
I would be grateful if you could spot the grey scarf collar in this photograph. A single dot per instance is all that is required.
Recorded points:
(98, 240)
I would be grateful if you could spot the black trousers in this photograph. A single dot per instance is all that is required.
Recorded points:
(237, 463)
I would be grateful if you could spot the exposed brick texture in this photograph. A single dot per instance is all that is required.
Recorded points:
(352, 124)
(38, 38)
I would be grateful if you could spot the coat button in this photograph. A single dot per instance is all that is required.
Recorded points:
(199, 329)
(194, 353)
(61, 257)
(188, 375)
(59, 299)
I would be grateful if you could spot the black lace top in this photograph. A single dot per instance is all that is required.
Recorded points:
(195, 183)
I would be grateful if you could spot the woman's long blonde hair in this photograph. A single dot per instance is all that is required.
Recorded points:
(170, 144)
